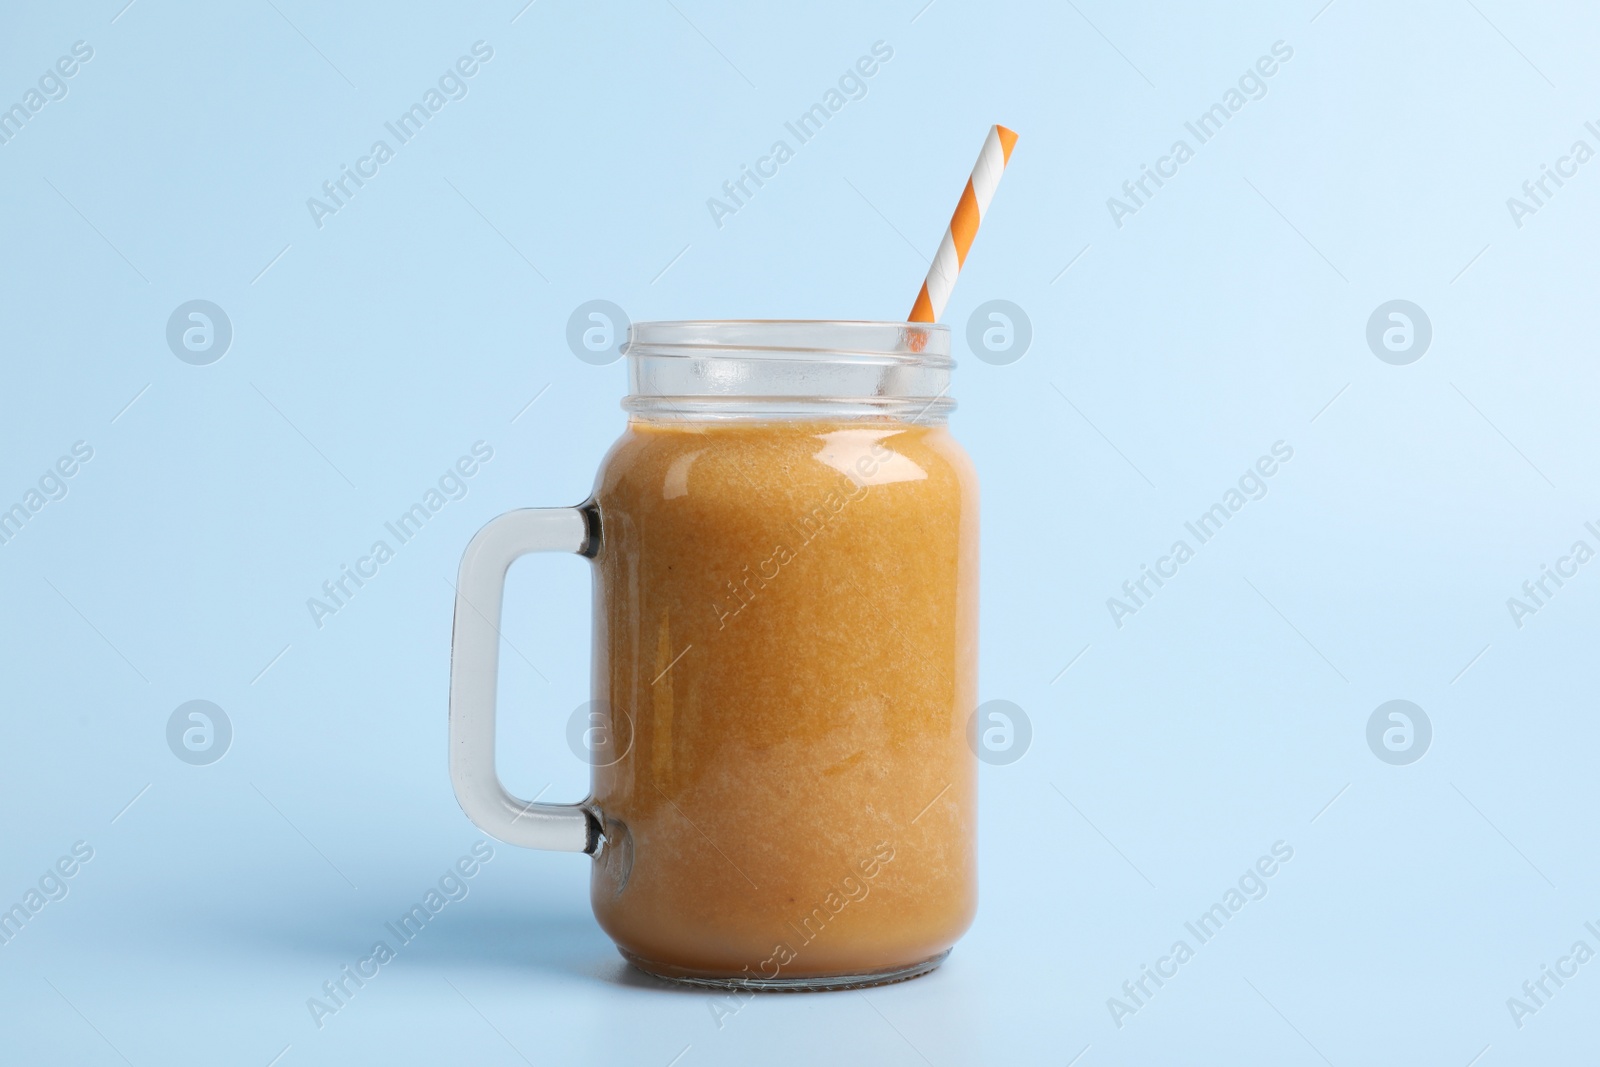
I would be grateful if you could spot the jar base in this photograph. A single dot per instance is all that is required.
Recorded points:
(807, 984)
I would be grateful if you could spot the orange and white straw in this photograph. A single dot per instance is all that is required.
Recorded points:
(964, 225)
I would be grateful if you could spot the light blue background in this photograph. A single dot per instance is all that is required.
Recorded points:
(1228, 314)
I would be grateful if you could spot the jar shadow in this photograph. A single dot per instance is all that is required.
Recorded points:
(570, 945)
(567, 944)
(465, 936)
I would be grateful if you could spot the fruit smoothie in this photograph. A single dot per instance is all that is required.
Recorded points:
(786, 633)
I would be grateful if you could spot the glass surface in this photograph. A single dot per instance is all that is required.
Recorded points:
(786, 636)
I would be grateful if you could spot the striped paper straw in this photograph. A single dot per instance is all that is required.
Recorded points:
(964, 225)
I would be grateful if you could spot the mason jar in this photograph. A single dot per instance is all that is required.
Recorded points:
(785, 549)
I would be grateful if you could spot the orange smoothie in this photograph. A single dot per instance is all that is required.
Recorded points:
(786, 633)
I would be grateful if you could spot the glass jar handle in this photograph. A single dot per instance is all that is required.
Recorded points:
(474, 670)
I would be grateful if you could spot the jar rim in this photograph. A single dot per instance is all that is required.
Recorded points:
(789, 368)
(853, 340)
